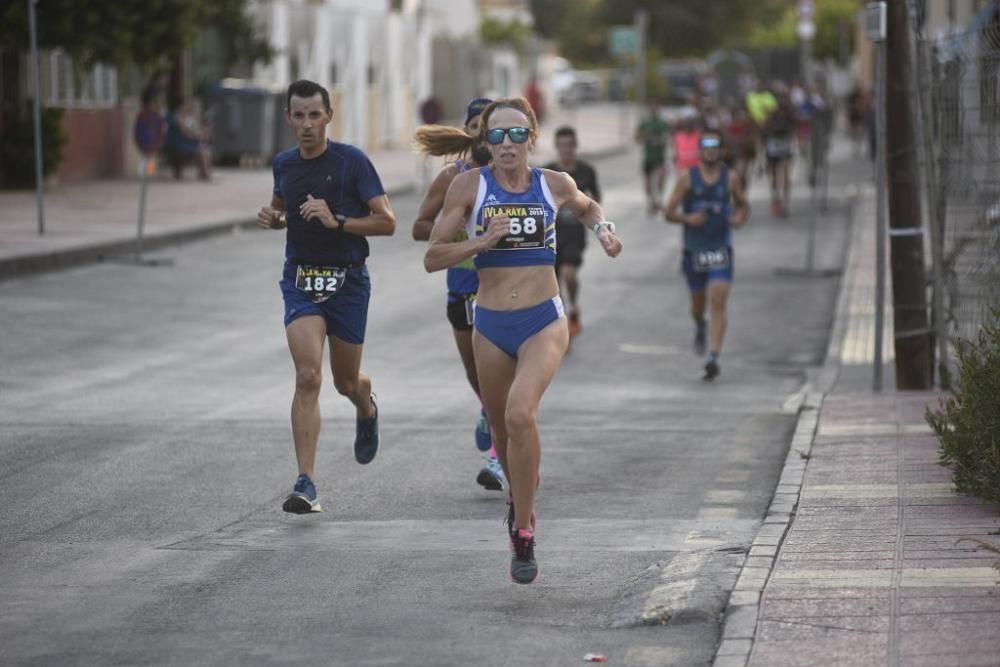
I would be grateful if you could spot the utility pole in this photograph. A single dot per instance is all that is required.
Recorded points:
(641, 22)
(914, 357)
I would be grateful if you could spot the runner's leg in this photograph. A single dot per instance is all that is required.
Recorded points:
(463, 341)
(497, 370)
(305, 341)
(345, 360)
(538, 360)
(718, 295)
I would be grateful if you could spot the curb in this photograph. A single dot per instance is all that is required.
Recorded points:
(68, 258)
(742, 614)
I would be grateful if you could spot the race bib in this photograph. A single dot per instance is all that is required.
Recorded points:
(710, 260)
(779, 146)
(527, 225)
(319, 282)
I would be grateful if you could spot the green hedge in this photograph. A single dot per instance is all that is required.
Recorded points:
(17, 153)
(968, 423)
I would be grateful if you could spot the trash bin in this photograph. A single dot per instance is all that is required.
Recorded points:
(243, 117)
(284, 138)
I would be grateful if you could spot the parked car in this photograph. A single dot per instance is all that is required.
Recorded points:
(573, 86)
(683, 76)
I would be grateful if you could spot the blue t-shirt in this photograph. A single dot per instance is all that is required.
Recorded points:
(532, 240)
(346, 179)
(714, 200)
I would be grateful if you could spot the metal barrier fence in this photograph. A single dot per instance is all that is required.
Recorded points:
(958, 78)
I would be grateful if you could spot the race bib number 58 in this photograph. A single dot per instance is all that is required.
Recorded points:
(527, 225)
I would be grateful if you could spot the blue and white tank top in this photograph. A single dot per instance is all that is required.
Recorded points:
(532, 237)
(714, 200)
(462, 278)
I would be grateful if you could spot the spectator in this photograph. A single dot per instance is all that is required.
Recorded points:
(187, 140)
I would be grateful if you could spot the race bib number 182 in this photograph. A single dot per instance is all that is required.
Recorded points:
(319, 282)
(527, 225)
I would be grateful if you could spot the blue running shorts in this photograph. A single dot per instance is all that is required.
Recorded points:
(345, 313)
(508, 329)
(698, 280)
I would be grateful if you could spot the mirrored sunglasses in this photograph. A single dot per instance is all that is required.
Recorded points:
(518, 135)
(711, 142)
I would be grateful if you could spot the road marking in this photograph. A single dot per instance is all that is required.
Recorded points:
(725, 496)
(653, 656)
(557, 535)
(631, 348)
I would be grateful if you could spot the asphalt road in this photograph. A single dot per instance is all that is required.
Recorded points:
(145, 450)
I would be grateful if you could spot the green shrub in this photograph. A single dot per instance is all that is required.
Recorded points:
(17, 153)
(968, 423)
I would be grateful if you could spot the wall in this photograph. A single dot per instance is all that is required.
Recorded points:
(93, 146)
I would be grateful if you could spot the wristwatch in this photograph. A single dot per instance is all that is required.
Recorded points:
(341, 219)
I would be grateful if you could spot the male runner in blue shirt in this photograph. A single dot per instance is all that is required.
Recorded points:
(329, 198)
(708, 201)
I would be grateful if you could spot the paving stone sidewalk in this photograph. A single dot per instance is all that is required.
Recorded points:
(876, 567)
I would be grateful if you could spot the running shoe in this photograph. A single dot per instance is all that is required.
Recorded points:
(711, 370)
(699, 339)
(484, 437)
(303, 499)
(491, 475)
(366, 436)
(575, 327)
(523, 567)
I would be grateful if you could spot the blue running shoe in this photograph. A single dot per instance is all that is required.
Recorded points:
(366, 437)
(484, 438)
(303, 499)
(491, 475)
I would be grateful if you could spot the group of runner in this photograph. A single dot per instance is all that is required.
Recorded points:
(511, 238)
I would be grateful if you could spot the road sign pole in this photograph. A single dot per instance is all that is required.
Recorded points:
(36, 83)
(875, 16)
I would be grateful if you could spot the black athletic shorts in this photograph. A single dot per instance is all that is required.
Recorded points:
(457, 314)
(649, 166)
(571, 241)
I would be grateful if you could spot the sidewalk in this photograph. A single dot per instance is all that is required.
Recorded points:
(92, 221)
(859, 560)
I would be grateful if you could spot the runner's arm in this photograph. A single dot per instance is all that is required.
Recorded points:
(587, 211)
(432, 203)
(568, 195)
(381, 222)
(741, 207)
(442, 249)
(674, 212)
(273, 216)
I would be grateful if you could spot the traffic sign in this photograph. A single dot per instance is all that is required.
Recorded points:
(875, 21)
(622, 40)
(805, 29)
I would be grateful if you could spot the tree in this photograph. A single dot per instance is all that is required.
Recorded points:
(146, 33)
(830, 16)
(676, 28)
